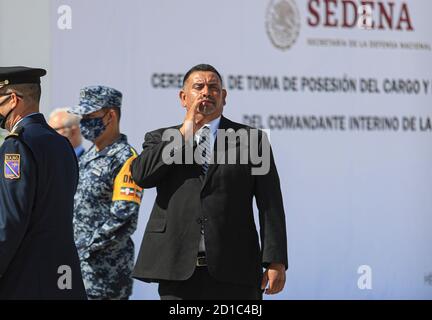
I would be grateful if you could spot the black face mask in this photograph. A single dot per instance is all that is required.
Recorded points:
(4, 118)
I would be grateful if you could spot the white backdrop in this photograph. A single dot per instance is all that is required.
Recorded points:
(354, 196)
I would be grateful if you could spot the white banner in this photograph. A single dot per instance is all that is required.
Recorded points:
(345, 87)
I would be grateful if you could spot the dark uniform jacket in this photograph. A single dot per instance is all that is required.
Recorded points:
(222, 202)
(38, 180)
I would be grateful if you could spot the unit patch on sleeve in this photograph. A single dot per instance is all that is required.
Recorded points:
(12, 166)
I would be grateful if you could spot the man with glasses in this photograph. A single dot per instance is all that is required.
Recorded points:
(67, 125)
(38, 180)
(107, 201)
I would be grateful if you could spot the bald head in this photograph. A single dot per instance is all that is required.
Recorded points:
(66, 124)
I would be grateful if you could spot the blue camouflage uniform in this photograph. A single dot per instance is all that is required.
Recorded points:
(106, 208)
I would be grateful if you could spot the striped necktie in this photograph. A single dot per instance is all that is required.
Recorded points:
(204, 148)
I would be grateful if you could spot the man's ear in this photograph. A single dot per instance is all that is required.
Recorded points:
(112, 115)
(13, 99)
(224, 95)
(182, 96)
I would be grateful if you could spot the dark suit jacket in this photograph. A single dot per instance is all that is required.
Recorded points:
(222, 202)
(36, 206)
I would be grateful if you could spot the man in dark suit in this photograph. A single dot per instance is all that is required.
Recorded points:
(201, 241)
(38, 180)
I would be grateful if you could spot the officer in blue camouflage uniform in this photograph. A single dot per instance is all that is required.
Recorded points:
(107, 200)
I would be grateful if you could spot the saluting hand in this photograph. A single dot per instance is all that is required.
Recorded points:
(194, 120)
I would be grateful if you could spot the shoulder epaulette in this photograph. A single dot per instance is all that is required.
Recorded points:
(10, 135)
(15, 133)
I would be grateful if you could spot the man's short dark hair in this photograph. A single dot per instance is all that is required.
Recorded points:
(30, 91)
(117, 110)
(201, 67)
